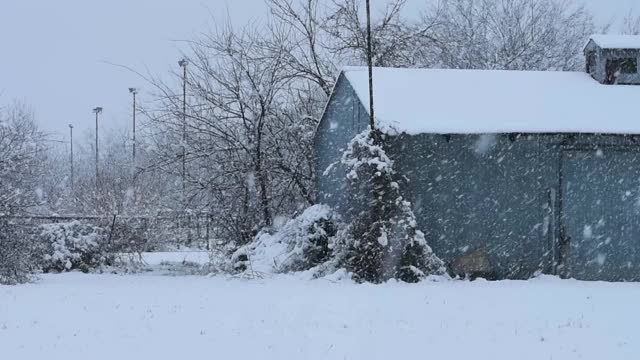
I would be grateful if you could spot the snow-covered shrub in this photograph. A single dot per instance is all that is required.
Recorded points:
(386, 241)
(17, 261)
(301, 244)
(73, 246)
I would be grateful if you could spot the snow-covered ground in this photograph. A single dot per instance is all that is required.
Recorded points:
(77, 316)
(157, 258)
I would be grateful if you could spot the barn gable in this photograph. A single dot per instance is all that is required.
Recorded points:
(343, 118)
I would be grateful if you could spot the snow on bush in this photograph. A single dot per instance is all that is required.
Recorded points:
(73, 246)
(386, 243)
(301, 244)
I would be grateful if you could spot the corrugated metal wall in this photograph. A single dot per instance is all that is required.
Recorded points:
(529, 203)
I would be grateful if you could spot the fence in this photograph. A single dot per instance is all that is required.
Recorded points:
(152, 232)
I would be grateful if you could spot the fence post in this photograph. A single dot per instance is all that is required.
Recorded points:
(113, 225)
(208, 217)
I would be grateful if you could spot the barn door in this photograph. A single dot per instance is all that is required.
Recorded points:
(599, 237)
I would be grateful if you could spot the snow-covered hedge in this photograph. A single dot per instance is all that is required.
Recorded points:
(73, 246)
(301, 244)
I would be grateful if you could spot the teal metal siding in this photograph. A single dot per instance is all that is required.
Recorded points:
(344, 117)
(601, 213)
(492, 201)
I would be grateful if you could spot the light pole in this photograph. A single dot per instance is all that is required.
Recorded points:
(71, 159)
(97, 111)
(370, 67)
(134, 92)
(183, 64)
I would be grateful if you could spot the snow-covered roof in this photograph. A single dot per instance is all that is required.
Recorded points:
(487, 101)
(617, 41)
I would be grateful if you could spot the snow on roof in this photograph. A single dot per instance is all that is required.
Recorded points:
(487, 101)
(617, 41)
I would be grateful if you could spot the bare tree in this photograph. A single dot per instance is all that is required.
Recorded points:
(397, 41)
(631, 24)
(236, 82)
(21, 149)
(303, 23)
(21, 152)
(510, 34)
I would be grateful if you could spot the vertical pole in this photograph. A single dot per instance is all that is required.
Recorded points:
(97, 110)
(134, 163)
(370, 66)
(71, 161)
(184, 144)
(184, 129)
(134, 131)
(183, 63)
(97, 154)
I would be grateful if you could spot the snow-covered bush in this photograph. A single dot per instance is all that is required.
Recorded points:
(381, 243)
(301, 244)
(17, 260)
(73, 246)
(386, 241)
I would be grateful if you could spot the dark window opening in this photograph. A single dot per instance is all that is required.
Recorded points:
(623, 65)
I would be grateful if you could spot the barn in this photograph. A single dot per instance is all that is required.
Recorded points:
(510, 173)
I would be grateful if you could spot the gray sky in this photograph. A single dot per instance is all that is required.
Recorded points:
(53, 51)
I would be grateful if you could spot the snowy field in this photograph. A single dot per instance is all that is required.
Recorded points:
(77, 316)
(157, 258)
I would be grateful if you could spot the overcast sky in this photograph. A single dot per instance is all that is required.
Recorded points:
(53, 53)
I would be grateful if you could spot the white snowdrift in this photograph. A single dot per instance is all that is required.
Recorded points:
(76, 316)
(486, 101)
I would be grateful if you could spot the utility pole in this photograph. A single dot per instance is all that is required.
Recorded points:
(134, 92)
(97, 111)
(370, 65)
(134, 164)
(71, 161)
(183, 64)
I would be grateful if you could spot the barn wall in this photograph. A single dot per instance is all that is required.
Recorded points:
(599, 71)
(601, 209)
(500, 198)
(481, 194)
(343, 119)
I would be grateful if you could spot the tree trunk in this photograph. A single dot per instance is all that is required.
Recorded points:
(262, 181)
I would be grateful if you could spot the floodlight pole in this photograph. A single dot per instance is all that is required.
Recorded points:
(370, 66)
(97, 111)
(134, 92)
(183, 64)
(71, 160)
